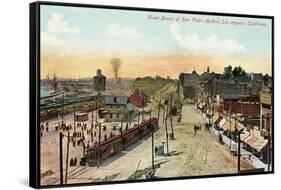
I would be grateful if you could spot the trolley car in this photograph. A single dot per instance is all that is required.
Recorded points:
(96, 153)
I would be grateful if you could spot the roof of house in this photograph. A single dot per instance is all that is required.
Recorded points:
(138, 100)
(115, 100)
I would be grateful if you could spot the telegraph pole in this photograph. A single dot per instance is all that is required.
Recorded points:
(142, 109)
(62, 108)
(167, 139)
(238, 156)
(159, 110)
(122, 133)
(99, 157)
(67, 155)
(164, 111)
(92, 122)
(61, 157)
(230, 128)
(96, 111)
(74, 125)
(138, 119)
(171, 119)
(269, 146)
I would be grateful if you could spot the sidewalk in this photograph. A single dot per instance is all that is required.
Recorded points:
(244, 153)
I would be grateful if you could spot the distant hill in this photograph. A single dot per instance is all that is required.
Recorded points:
(151, 84)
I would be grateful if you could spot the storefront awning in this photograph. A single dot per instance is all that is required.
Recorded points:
(222, 122)
(244, 135)
(256, 141)
(216, 118)
(229, 125)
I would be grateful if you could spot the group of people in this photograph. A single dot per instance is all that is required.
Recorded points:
(44, 128)
(73, 162)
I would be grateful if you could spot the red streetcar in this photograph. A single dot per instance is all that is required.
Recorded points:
(114, 144)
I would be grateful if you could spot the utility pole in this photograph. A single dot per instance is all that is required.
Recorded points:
(61, 157)
(142, 109)
(269, 146)
(99, 157)
(74, 125)
(230, 127)
(67, 155)
(171, 119)
(96, 111)
(167, 137)
(164, 111)
(92, 119)
(238, 156)
(62, 108)
(159, 110)
(138, 118)
(121, 128)
(152, 139)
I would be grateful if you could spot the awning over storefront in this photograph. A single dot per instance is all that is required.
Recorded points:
(245, 132)
(256, 141)
(222, 122)
(239, 126)
(244, 135)
(216, 118)
(229, 125)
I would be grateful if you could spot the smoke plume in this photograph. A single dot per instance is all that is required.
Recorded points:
(116, 64)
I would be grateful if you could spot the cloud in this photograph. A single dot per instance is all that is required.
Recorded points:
(209, 45)
(116, 29)
(49, 39)
(57, 24)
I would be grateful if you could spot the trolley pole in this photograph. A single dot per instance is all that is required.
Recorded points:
(60, 157)
(67, 156)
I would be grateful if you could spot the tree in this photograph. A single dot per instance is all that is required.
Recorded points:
(227, 71)
(181, 78)
(234, 72)
(189, 92)
(237, 71)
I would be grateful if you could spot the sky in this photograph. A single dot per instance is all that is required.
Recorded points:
(76, 41)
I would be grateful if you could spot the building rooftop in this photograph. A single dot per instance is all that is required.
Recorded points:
(116, 100)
